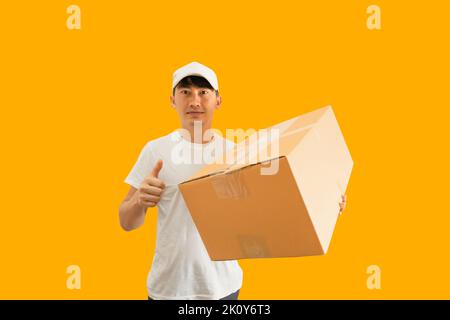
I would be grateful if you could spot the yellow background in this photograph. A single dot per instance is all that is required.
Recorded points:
(77, 106)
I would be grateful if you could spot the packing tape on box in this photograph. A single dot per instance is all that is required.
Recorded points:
(230, 185)
(253, 246)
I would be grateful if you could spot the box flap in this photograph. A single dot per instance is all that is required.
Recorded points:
(307, 120)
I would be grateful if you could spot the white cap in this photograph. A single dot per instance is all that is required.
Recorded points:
(195, 69)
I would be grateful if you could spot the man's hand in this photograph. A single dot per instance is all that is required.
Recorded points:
(150, 190)
(343, 203)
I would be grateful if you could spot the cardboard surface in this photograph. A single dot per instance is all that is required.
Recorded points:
(278, 199)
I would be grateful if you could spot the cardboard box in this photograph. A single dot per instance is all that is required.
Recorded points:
(273, 204)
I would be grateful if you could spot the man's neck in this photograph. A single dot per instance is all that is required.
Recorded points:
(197, 134)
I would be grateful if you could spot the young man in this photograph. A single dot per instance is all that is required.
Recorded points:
(181, 267)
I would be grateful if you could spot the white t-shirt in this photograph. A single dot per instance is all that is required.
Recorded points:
(182, 268)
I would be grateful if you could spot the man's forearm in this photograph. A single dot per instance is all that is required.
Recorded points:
(131, 213)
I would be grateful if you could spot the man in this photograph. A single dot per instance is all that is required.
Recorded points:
(181, 267)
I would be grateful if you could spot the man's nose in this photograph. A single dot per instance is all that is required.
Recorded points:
(195, 101)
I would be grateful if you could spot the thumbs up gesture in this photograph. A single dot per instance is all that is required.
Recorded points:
(150, 190)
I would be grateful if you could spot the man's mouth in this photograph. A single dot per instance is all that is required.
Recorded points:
(195, 112)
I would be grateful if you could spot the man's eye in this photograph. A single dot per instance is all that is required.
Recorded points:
(204, 92)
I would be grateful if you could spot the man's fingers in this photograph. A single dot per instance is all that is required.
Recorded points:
(158, 183)
(149, 203)
(342, 204)
(155, 182)
(151, 190)
(157, 168)
(151, 198)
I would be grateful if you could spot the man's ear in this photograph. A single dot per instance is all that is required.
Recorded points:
(218, 101)
(172, 101)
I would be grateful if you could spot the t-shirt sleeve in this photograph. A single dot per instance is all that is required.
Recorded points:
(142, 167)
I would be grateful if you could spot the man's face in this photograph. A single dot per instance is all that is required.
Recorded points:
(195, 104)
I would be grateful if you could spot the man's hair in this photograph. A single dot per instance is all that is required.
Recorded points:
(195, 81)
